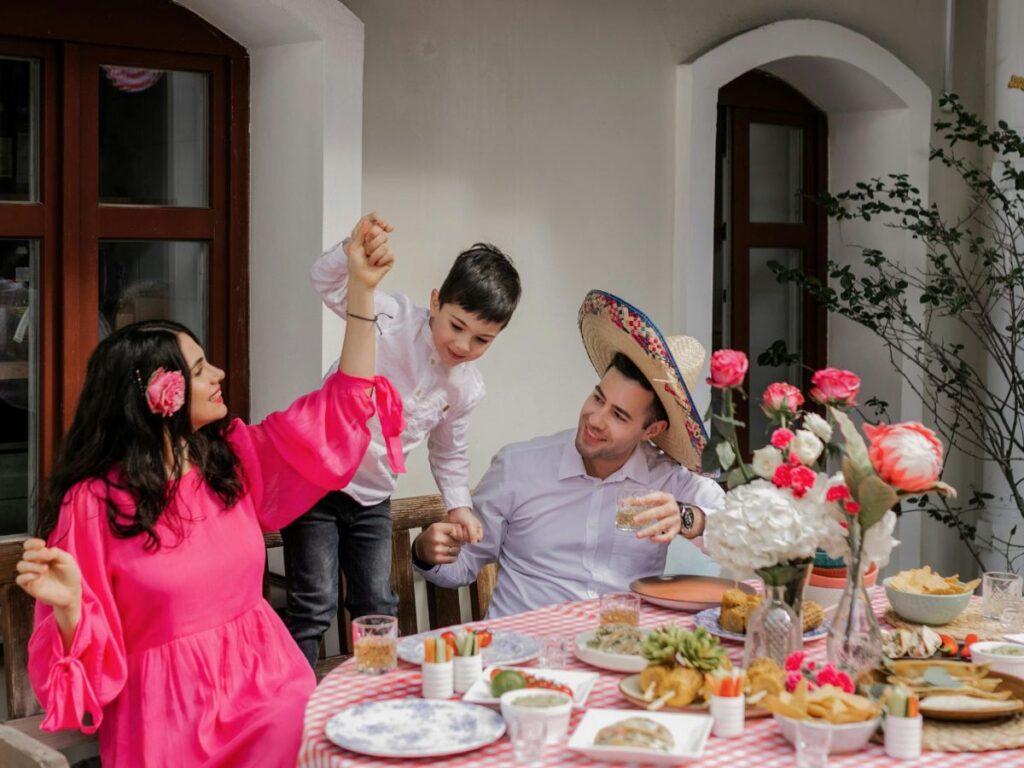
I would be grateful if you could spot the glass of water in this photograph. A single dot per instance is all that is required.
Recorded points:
(999, 590)
(813, 741)
(528, 735)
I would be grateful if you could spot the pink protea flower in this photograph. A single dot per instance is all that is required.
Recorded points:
(728, 368)
(782, 437)
(165, 392)
(907, 456)
(833, 386)
(781, 399)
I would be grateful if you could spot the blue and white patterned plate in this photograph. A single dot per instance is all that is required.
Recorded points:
(414, 728)
(505, 648)
(709, 620)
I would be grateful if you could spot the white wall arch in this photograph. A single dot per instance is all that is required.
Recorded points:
(879, 114)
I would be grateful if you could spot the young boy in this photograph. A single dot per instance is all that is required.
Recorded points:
(428, 356)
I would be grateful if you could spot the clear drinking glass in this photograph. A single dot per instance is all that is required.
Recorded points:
(528, 736)
(554, 652)
(620, 608)
(999, 590)
(628, 504)
(813, 741)
(1012, 617)
(374, 642)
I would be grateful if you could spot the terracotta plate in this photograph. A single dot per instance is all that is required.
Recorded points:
(686, 593)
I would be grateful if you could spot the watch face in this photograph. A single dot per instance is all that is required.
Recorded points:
(687, 518)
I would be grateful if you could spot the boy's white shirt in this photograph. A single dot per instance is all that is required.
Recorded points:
(436, 399)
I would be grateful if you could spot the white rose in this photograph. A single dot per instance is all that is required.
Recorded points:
(766, 460)
(806, 446)
(878, 541)
(818, 426)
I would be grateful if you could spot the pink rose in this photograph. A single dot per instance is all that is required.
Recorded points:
(793, 679)
(728, 367)
(781, 399)
(802, 479)
(165, 392)
(832, 386)
(782, 477)
(907, 456)
(844, 681)
(782, 437)
(837, 493)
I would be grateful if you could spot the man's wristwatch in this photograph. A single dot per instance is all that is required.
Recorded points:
(687, 517)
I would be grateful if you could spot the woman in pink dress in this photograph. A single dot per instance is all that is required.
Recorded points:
(150, 623)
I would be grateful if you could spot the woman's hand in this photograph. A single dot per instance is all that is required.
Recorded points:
(51, 575)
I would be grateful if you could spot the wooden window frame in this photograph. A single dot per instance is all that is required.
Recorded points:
(71, 38)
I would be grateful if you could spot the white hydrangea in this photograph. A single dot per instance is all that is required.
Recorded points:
(818, 426)
(878, 541)
(761, 526)
(806, 446)
(766, 460)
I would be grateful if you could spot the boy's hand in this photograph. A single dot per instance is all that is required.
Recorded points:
(369, 255)
(471, 525)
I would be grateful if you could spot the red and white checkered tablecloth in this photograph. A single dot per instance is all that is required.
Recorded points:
(761, 743)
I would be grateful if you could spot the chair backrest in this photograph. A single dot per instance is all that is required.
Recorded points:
(16, 609)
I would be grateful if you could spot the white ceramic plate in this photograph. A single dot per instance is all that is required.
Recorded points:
(414, 728)
(709, 620)
(615, 662)
(505, 647)
(579, 682)
(689, 732)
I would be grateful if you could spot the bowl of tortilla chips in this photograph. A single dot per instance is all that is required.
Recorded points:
(852, 719)
(923, 596)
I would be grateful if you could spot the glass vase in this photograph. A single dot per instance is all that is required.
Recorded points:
(775, 627)
(854, 640)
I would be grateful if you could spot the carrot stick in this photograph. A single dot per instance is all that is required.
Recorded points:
(428, 649)
(448, 654)
(912, 707)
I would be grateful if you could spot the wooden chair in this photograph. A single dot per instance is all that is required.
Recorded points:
(443, 608)
(23, 710)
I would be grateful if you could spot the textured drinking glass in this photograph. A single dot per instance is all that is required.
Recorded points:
(374, 642)
(629, 504)
(1012, 617)
(554, 652)
(999, 591)
(813, 741)
(528, 735)
(620, 608)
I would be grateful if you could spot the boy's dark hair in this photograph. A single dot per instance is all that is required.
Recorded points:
(622, 363)
(483, 281)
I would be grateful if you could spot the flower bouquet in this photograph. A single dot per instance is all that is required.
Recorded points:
(783, 506)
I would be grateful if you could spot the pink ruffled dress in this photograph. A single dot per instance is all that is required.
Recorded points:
(178, 659)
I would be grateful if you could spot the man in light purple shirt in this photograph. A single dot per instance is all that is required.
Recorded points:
(548, 505)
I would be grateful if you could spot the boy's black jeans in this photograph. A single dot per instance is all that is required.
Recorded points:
(337, 530)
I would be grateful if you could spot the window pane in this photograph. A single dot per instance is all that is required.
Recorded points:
(776, 173)
(775, 313)
(19, 381)
(153, 137)
(19, 130)
(153, 280)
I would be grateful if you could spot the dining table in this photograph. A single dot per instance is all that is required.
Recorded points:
(761, 743)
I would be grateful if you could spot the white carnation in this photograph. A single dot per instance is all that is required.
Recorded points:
(806, 446)
(878, 541)
(766, 460)
(761, 526)
(818, 426)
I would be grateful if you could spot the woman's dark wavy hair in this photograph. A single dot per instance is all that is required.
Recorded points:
(113, 425)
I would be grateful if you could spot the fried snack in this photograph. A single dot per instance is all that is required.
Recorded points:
(683, 683)
(651, 678)
(736, 608)
(765, 676)
(814, 615)
(825, 703)
(925, 581)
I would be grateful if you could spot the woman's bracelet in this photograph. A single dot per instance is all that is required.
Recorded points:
(375, 319)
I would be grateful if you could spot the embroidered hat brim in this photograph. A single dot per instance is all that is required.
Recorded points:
(672, 365)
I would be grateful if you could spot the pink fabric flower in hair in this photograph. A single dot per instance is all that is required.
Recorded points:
(728, 367)
(165, 392)
(833, 386)
(907, 456)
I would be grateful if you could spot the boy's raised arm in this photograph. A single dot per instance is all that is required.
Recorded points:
(330, 272)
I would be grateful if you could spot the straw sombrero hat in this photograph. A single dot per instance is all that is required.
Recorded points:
(671, 364)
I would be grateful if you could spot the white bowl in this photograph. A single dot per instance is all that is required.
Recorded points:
(849, 737)
(557, 717)
(1010, 665)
